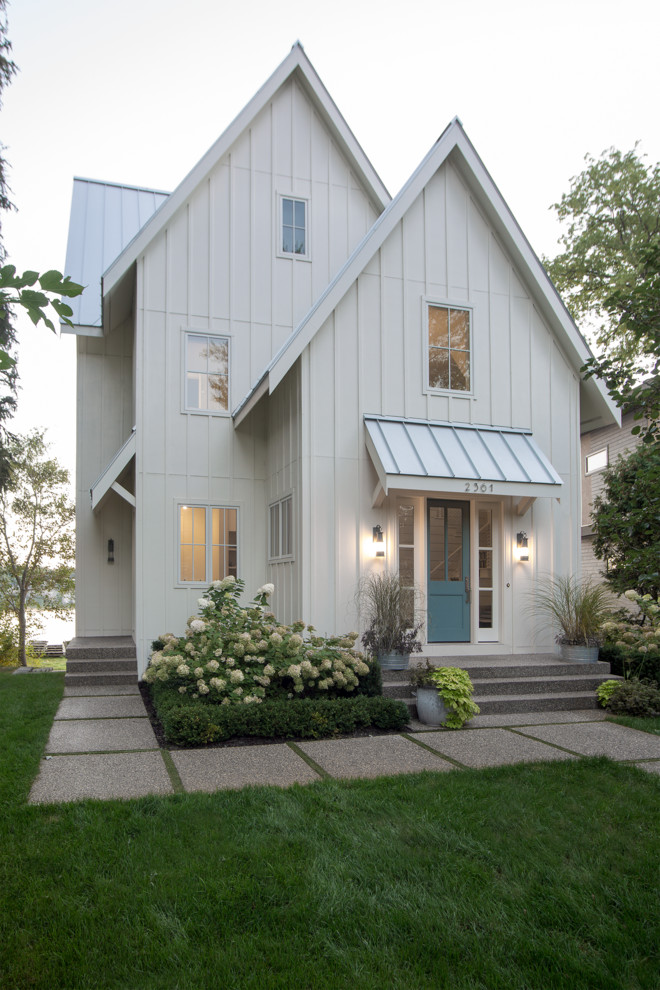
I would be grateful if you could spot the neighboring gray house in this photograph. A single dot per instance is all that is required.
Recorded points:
(282, 365)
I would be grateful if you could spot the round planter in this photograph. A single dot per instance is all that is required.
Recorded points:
(431, 709)
(394, 661)
(579, 654)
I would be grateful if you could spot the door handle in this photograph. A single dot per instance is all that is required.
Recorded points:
(468, 592)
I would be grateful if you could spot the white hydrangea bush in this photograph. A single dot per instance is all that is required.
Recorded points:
(238, 655)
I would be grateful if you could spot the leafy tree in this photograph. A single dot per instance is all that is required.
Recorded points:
(613, 214)
(8, 374)
(609, 274)
(36, 536)
(626, 519)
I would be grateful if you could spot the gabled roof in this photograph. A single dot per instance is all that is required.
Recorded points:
(452, 144)
(105, 217)
(295, 64)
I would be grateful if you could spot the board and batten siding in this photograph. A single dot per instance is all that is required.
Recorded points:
(105, 418)
(216, 268)
(369, 358)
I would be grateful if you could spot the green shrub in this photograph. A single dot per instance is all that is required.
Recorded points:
(605, 690)
(189, 722)
(634, 697)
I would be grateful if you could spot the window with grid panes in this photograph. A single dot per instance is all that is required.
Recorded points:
(208, 543)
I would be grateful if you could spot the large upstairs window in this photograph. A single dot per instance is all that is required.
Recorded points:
(208, 543)
(449, 348)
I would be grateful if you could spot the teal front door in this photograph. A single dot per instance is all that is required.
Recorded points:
(448, 572)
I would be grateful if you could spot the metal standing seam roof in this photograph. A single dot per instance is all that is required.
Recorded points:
(457, 452)
(105, 217)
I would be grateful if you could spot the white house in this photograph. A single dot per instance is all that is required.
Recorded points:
(277, 364)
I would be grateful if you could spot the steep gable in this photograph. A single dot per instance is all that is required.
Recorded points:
(454, 151)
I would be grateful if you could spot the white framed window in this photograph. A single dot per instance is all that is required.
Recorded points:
(406, 539)
(207, 543)
(293, 231)
(206, 373)
(448, 331)
(597, 461)
(280, 529)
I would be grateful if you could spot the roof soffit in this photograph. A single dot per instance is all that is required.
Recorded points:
(295, 64)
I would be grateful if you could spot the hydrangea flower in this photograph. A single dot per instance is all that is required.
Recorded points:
(266, 589)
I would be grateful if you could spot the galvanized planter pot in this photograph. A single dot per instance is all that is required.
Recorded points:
(579, 654)
(431, 709)
(394, 661)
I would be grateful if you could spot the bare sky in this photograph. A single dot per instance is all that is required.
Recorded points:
(137, 90)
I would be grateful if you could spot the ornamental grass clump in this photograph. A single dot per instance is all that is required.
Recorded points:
(576, 609)
(234, 654)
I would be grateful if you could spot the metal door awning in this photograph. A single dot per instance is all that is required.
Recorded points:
(416, 455)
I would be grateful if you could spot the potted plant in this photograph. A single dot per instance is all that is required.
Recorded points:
(444, 695)
(392, 629)
(577, 609)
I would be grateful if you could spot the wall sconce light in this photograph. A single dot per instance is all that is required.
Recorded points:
(522, 547)
(111, 551)
(379, 541)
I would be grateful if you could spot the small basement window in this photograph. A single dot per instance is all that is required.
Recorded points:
(597, 461)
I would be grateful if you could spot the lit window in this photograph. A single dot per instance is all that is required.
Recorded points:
(294, 227)
(597, 461)
(207, 373)
(449, 348)
(208, 547)
(281, 529)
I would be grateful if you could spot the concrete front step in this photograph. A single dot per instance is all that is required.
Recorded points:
(100, 648)
(100, 677)
(101, 666)
(514, 704)
(536, 685)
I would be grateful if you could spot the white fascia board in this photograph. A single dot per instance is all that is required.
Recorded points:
(465, 486)
(80, 330)
(250, 401)
(295, 60)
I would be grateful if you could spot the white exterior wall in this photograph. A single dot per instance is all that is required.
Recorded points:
(215, 268)
(369, 357)
(105, 417)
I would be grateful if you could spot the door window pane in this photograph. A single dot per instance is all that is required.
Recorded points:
(437, 543)
(455, 544)
(485, 609)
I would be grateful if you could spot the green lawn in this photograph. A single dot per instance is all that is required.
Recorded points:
(538, 876)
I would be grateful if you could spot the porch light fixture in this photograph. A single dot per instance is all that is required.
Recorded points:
(111, 551)
(522, 548)
(379, 541)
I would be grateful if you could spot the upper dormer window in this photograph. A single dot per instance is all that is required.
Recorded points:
(449, 348)
(294, 227)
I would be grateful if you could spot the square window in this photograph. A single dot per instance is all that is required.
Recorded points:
(449, 347)
(206, 373)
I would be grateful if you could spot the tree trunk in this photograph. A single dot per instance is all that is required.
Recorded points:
(22, 658)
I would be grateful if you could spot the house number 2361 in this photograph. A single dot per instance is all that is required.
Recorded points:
(475, 486)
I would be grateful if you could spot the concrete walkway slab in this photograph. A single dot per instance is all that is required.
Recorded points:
(232, 767)
(103, 776)
(100, 690)
(372, 756)
(99, 735)
(490, 747)
(108, 707)
(600, 739)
